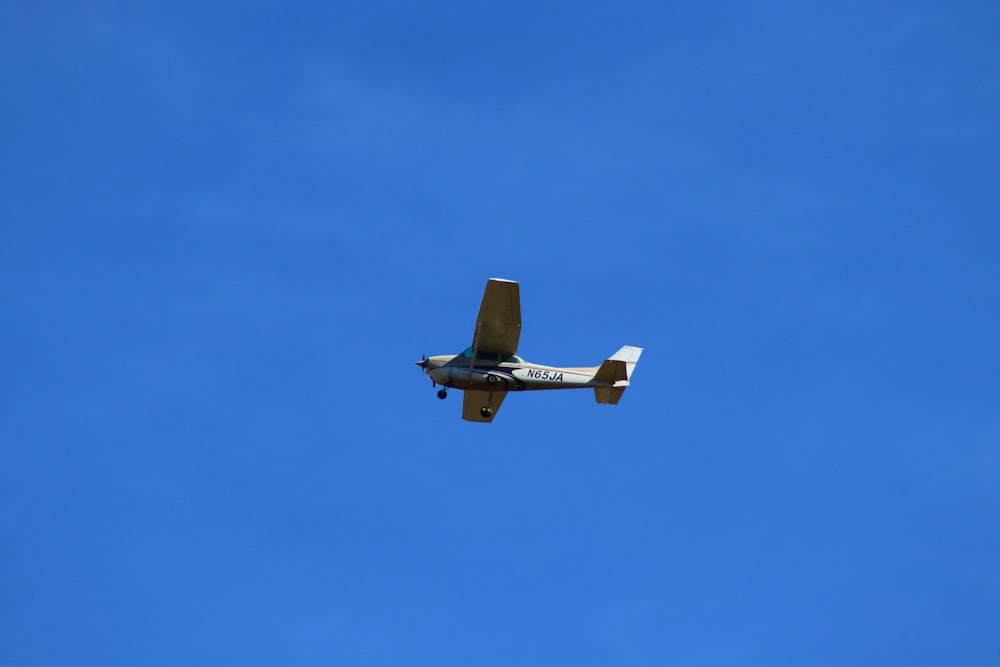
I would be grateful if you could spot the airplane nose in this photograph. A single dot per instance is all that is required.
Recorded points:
(423, 362)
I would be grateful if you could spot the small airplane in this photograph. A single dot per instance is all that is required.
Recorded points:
(490, 367)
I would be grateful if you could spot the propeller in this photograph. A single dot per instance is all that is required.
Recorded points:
(423, 364)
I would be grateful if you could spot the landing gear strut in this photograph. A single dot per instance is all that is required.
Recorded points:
(442, 394)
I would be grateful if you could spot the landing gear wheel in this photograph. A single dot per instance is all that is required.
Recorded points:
(492, 380)
(486, 412)
(442, 394)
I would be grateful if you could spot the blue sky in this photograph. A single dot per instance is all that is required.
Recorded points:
(227, 231)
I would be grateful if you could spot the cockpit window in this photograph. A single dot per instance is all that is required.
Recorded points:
(490, 358)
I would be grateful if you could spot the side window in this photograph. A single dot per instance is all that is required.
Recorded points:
(482, 356)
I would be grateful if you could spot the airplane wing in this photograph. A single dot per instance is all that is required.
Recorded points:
(474, 401)
(498, 325)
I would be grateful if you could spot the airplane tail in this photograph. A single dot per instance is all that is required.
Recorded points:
(616, 372)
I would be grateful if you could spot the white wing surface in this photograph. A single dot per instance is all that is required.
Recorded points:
(498, 325)
(474, 401)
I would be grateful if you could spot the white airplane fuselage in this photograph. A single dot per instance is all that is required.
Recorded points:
(455, 371)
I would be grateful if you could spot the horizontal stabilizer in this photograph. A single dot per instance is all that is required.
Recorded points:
(616, 371)
(609, 395)
(612, 371)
